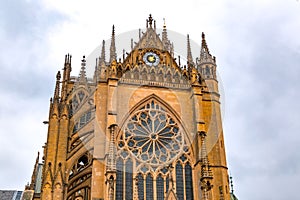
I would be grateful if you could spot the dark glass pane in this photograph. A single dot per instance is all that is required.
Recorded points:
(167, 184)
(82, 120)
(141, 186)
(188, 182)
(75, 128)
(179, 181)
(129, 180)
(75, 103)
(81, 95)
(119, 180)
(160, 188)
(149, 187)
(88, 116)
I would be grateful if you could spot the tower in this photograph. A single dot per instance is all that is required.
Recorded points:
(144, 127)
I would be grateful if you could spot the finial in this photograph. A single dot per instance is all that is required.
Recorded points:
(83, 61)
(82, 75)
(203, 36)
(58, 76)
(150, 20)
(164, 23)
(68, 59)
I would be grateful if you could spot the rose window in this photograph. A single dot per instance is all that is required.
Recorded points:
(152, 136)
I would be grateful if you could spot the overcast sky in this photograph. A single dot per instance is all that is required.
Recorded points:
(257, 46)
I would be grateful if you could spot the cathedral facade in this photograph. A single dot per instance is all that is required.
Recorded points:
(144, 127)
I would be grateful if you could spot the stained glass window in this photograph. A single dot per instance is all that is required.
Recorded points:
(188, 182)
(179, 181)
(119, 180)
(128, 180)
(149, 187)
(141, 186)
(84, 119)
(153, 136)
(167, 184)
(152, 139)
(160, 188)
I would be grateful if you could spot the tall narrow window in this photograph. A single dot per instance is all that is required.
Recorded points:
(128, 180)
(179, 181)
(160, 187)
(189, 182)
(141, 186)
(119, 180)
(167, 184)
(149, 187)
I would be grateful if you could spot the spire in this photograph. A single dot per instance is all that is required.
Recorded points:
(82, 76)
(102, 57)
(205, 56)
(100, 71)
(189, 52)
(66, 76)
(57, 87)
(113, 54)
(206, 174)
(203, 44)
(206, 63)
(164, 38)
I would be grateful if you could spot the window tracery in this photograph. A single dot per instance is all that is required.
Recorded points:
(77, 100)
(152, 136)
(150, 141)
(84, 119)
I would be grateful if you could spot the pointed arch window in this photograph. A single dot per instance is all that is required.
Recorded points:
(179, 181)
(119, 179)
(129, 180)
(160, 187)
(188, 182)
(140, 186)
(150, 140)
(149, 187)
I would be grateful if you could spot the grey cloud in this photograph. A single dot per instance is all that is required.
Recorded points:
(261, 82)
(24, 84)
(26, 17)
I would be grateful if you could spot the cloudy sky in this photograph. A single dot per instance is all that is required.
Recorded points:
(257, 46)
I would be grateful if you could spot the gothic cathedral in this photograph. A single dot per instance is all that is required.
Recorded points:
(144, 127)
